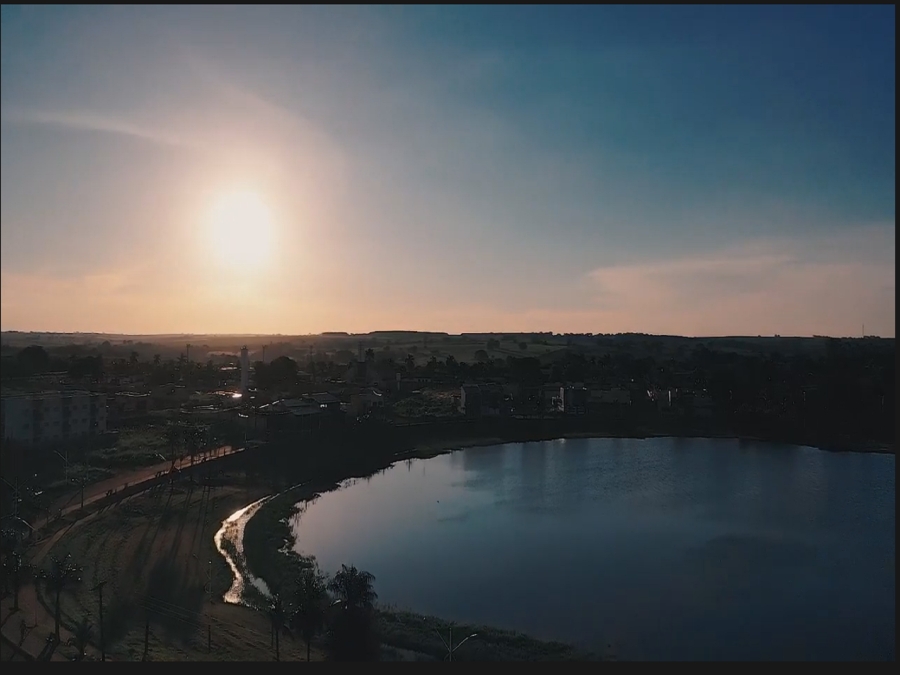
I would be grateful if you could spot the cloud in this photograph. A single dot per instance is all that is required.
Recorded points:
(90, 121)
(828, 284)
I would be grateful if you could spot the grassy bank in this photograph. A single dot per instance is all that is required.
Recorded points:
(422, 635)
(157, 555)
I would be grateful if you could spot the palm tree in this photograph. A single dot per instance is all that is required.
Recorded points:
(352, 636)
(354, 588)
(133, 358)
(62, 575)
(277, 615)
(410, 363)
(84, 630)
(156, 359)
(312, 602)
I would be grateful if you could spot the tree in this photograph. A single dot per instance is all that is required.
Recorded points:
(481, 356)
(370, 355)
(175, 438)
(451, 363)
(410, 363)
(81, 637)
(133, 358)
(311, 604)
(354, 588)
(352, 635)
(62, 575)
(15, 569)
(277, 616)
(156, 359)
(34, 359)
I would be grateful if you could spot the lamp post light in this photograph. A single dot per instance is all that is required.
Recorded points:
(449, 643)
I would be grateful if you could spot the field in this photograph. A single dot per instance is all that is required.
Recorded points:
(133, 448)
(157, 555)
(427, 403)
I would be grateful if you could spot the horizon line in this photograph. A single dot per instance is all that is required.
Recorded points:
(448, 334)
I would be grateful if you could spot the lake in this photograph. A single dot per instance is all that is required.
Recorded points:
(666, 548)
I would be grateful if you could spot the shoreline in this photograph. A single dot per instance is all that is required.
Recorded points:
(268, 530)
(429, 450)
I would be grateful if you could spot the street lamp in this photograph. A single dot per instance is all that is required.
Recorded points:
(449, 644)
(66, 460)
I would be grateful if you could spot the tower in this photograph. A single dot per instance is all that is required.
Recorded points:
(245, 370)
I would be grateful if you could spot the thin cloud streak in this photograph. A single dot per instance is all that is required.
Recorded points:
(89, 121)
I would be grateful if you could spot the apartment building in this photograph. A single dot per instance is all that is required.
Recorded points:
(38, 418)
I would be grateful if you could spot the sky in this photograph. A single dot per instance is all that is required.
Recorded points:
(677, 170)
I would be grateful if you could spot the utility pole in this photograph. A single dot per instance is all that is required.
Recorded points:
(83, 472)
(65, 459)
(99, 589)
(15, 496)
(146, 635)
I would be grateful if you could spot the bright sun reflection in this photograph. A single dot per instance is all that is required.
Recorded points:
(241, 230)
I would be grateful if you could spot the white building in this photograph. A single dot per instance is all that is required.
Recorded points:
(52, 416)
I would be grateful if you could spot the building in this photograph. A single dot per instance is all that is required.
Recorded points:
(325, 401)
(366, 402)
(480, 400)
(48, 417)
(573, 399)
(317, 411)
(245, 370)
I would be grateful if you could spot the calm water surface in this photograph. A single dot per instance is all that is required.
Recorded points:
(667, 548)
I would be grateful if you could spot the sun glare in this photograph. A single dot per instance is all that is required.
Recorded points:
(241, 230)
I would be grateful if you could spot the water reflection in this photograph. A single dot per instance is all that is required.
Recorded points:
(532, 487)
(673, 549)
(229, 541)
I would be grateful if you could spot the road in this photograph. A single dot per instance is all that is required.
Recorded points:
(97, 491)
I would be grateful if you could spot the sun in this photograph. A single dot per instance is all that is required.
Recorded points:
(240, 230)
